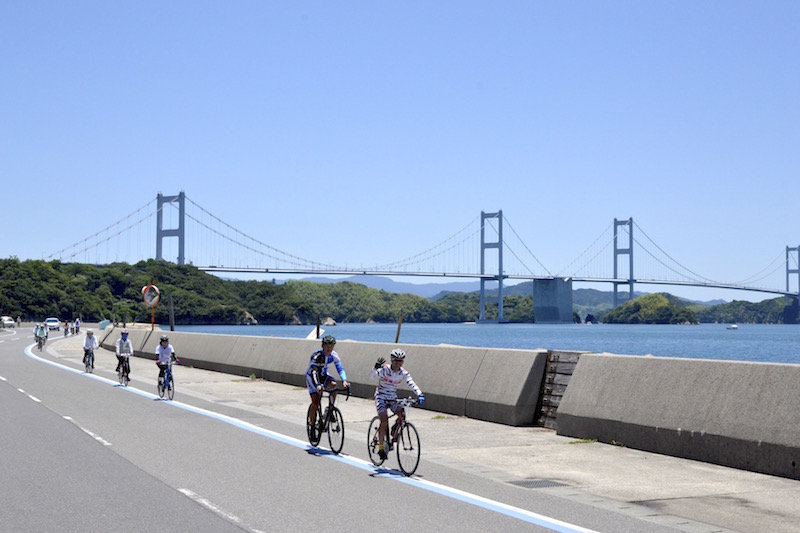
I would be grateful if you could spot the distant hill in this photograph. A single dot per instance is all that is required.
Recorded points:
(581, 298)
(426, 290)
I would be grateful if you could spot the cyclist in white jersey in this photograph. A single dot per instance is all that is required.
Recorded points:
(165, 354)
(389, 377)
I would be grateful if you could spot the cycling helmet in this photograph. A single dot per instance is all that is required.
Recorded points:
(328, 339)
(398, 354)
(90, 330)
(164, 338)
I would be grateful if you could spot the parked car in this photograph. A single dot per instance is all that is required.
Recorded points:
(8, 322)
(53, 323)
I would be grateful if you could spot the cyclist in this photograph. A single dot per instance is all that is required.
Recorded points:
(165, 354)
(124, 349)
(317, 375)
(40, 331)
(89, 343)
(389, 376)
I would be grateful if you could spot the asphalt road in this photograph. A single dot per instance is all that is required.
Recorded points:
(80, 452)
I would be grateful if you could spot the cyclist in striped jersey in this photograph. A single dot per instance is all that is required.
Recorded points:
(389, 376)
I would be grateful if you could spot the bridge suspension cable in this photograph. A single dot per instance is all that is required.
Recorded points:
(567, 272)
(510, 249)
(107, 239)
(774, 265)
(432, 252)
(292, 259)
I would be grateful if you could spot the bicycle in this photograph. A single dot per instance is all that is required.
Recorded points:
(88, 360)
(331, 421)
(402, 436)
(39, 342)
(124, 371)
(167, 385)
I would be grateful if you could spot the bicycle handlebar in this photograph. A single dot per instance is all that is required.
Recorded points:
(409, 402)
(337, 389)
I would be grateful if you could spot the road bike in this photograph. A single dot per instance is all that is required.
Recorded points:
(88, 360)
(124, 371)
(330, 420)
(167, 384)
(39, 342)
(403, 436)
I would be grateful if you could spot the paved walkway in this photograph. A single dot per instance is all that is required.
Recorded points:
(686, 495)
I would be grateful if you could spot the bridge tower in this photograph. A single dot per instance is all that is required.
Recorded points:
(623, 251)
(790, 271)
(175, 232)
(499, 278)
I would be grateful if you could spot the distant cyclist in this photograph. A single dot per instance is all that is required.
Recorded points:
(389, 377)
(165, 354)
(89, 344)
(317, 376)
(40, 332)
(124, 349)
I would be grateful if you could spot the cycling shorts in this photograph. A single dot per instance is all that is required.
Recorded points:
(310, 384)
(381, 404)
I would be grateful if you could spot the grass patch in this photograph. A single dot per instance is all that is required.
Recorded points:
(584, 441)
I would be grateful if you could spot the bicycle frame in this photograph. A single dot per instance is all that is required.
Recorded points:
(402, 436)
(330, 420)
(89, 360)
(124, 370)
(168, 385)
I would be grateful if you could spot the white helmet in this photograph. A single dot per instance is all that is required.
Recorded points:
(398, 354)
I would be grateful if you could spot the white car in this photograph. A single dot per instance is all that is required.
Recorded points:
(53, 323)
(8, 322)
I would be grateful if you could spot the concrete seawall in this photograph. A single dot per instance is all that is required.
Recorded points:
(742, 415)
(737, 414)
(495, 385)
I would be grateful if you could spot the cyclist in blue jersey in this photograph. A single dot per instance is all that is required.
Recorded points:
(389, 377)
(317, 376)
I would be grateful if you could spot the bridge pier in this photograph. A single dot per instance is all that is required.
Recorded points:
(552, 301)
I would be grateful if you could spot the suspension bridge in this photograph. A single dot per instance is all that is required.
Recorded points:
(488, 249)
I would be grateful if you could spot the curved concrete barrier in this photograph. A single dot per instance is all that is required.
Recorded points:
(483, 383)
(737, 414)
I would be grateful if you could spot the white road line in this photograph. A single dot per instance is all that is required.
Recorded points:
(472, 499)
(98, 438)
(216, 509)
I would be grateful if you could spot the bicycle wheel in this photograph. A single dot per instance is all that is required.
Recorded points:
(120, 373)
(408, 449)
(89, 364)
(372, 442)
(314, 434)
(171, 387)
(160, 389)
(336, 430)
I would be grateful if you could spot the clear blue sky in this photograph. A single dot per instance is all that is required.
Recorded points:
(363, 132)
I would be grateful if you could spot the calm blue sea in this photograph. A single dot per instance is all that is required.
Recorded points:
(751, 342)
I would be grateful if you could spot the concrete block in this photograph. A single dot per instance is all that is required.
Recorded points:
(743, 415)
(506, 387)
(488, 384)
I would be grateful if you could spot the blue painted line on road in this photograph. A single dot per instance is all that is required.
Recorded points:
(443, 490)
